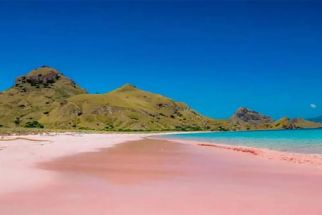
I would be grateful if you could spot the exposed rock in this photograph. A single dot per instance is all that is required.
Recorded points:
(42, 75)
(244, 115)
(34, 94)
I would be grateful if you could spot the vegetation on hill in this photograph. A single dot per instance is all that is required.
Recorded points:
(126, 108)
(34, 95)
(286, 123)
(45, 98)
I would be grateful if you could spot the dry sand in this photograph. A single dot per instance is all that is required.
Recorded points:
(149, 176)
(18, 155)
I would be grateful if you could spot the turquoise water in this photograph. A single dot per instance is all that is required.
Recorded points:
(301, 141)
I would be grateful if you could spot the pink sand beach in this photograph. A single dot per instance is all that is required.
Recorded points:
(122, 174)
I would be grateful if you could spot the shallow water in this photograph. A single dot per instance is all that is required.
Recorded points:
(307, 141)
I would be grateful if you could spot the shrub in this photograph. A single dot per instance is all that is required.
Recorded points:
(188, 128)
(34, 124)
(17, 121)
(109, 127)
(220, 128)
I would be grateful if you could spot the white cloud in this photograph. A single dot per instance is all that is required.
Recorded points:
(313, 106)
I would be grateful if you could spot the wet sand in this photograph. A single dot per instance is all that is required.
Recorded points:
(162, 177)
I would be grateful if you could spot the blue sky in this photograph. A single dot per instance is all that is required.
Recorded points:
(214, 56)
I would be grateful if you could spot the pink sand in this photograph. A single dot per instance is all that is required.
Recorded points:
(310, 160)
(18, 158)
(153, 177)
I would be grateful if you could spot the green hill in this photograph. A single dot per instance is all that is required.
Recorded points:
(45, 98)
(34, 95)
(126, 108)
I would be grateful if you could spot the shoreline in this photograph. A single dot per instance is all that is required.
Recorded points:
(140, 173)
(20, 154)
(312, 160)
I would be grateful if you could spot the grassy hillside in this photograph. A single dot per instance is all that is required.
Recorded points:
(46, 99)
(126, 108)
(34, 96)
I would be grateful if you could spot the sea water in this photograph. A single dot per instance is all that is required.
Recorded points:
(307, 141)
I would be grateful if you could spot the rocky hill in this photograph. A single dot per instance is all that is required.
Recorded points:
(246, 119)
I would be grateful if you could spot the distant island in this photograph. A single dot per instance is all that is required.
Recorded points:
(316, 119)
(45, 98)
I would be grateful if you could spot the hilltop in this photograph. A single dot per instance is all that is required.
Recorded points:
(46, 98)
(34, 95)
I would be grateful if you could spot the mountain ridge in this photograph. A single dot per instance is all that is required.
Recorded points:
(45, 98)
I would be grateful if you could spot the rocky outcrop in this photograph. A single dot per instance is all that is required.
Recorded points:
(249, 116)
(42, 75)
(35, 94)
(246, 119)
